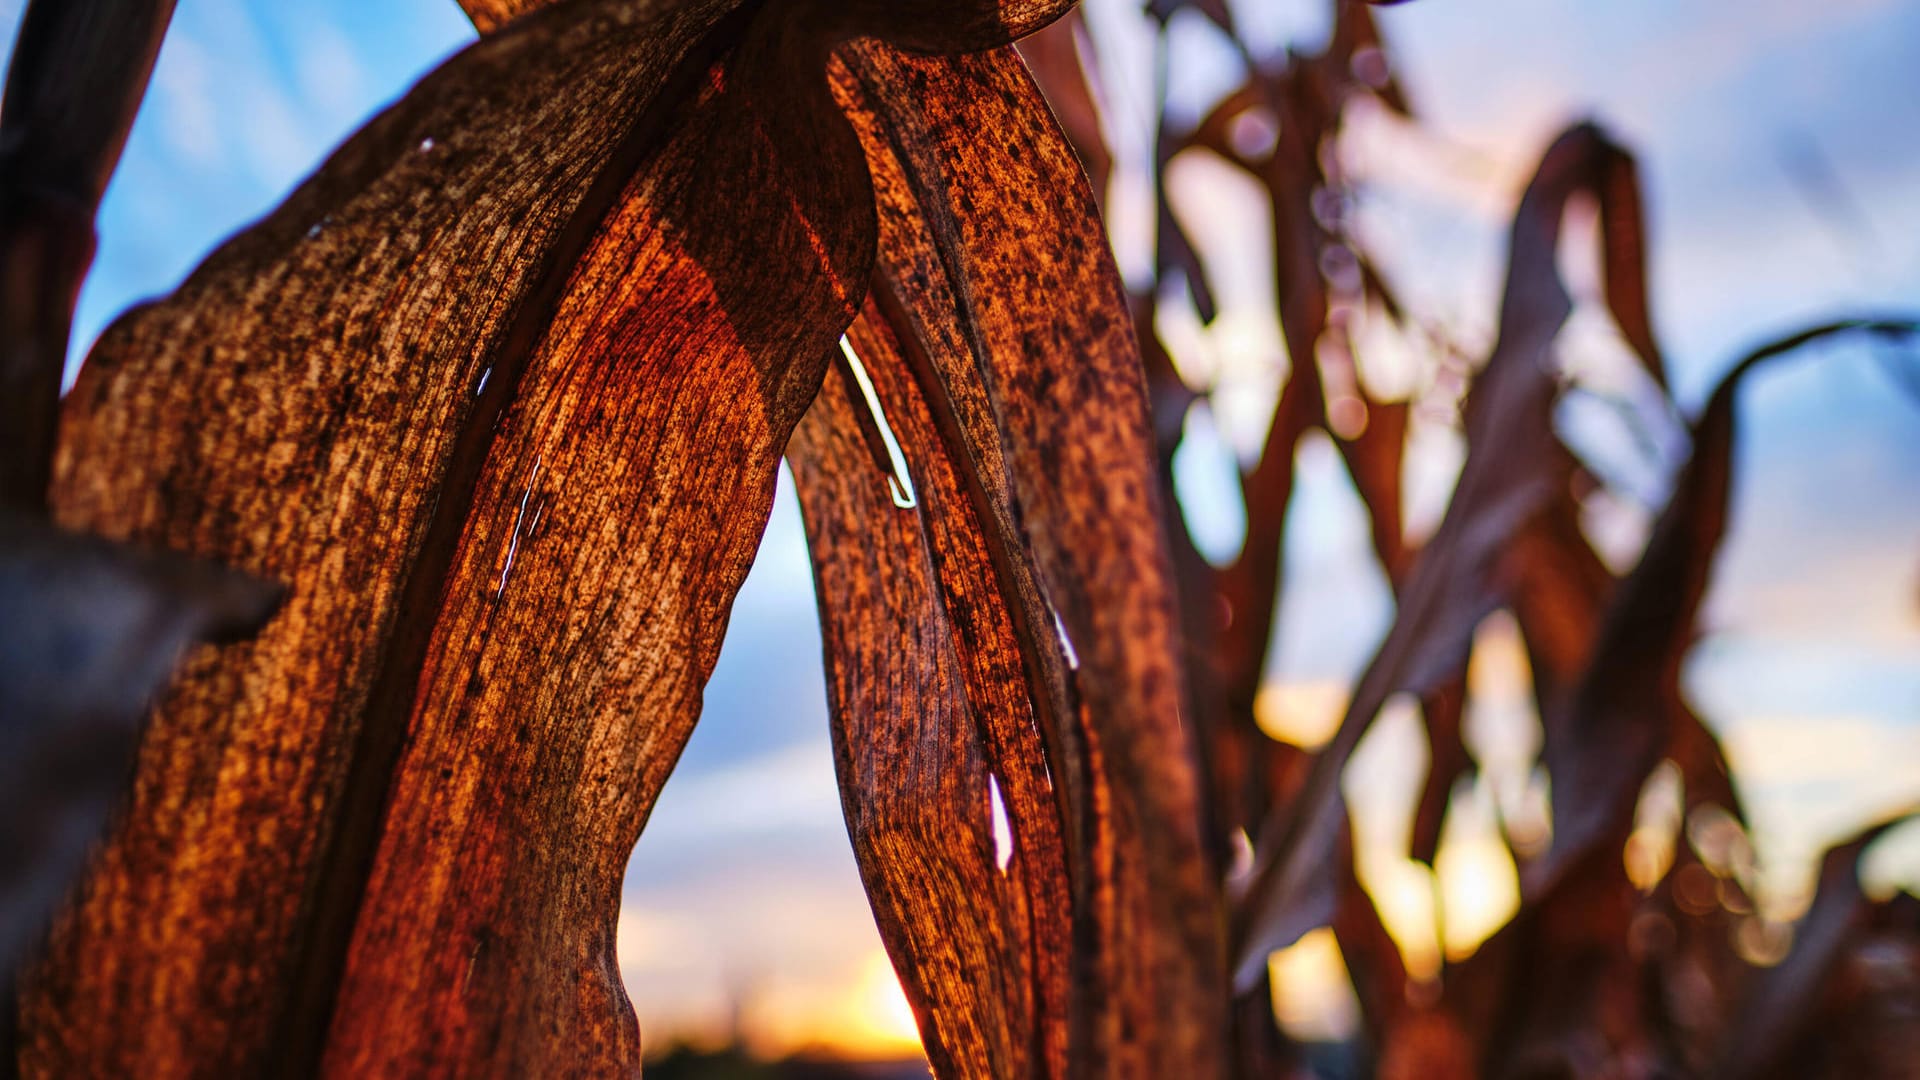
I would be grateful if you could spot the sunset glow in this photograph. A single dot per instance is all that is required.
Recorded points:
(866, 1017)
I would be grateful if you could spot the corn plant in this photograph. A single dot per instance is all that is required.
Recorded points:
(456, 461)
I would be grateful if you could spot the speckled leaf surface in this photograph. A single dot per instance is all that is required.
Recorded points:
(986, 226)
(499, 393)
(93, 631)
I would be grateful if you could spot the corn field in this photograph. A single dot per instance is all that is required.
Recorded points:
(360, 594)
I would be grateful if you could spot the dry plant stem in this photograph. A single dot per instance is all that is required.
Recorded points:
(78, 72)
(1233, 609)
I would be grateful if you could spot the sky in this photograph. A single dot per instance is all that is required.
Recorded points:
(1776, 140)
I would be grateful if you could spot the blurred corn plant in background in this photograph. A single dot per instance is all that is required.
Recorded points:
(1625, 956)
(475, 436)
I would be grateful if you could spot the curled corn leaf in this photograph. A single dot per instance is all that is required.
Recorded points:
(1041, 418)
(1622, 715)
(500, 394)
(1516, 470)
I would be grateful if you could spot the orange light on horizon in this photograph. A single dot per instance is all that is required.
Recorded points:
(883, 1018)
(864, 1018)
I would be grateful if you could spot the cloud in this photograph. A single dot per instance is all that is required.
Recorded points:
(785, 940)
(328, 70)
(1733, 676)
(793, 789)
(182, 99)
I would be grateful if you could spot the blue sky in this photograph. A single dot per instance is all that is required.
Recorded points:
(1810, 663)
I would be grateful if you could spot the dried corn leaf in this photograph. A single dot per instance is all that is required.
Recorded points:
(1375, 459)
(985, 217)
(94, 631)
(932, 720)
(500, 392)
(1442, 712)
(1589, 977)
(1627, 710)
(1515, 470)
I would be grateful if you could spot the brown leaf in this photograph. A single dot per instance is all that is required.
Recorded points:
(1375, 460)
(94, 631)
(1774, 1018)
(1305, 101)
(1622, 715)
(500, 392)
(1515, 468)
(1250, 586)
(1441, 712)
(985, 218)
(78, 71)
(927, 682)
(1559, 590)
(1589, 979)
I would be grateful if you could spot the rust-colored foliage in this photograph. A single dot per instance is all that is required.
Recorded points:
(1094, 620)
(499, 394)
(92, 629)
(1515, 474)
(497, 398)
(1592, 977)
